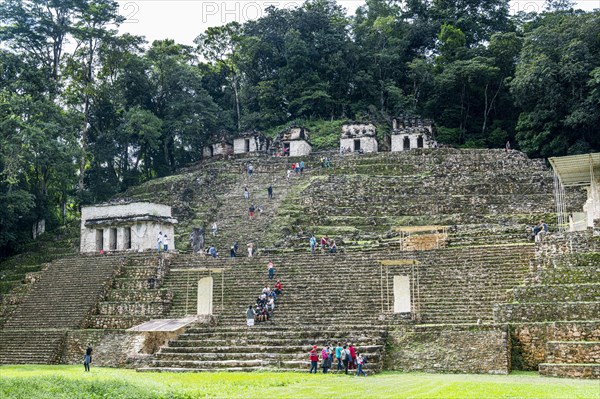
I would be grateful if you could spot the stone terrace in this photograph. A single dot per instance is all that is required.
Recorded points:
(555, 318)
(60, 299)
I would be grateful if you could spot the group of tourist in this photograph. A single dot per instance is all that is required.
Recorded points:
(537, 232)
(162, 242)
(325, 162)
(327, 244)
(346, 356)
(297, 168)
(265, 304)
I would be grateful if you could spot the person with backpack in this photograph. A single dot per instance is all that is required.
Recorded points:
(359, 363)
(345, 358)
(87, 359)
(314, 359)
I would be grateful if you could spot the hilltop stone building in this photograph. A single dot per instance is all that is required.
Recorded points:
(132, 226)
(358, 137)
(251, 142)
(411, 133)
(223, 148)
(294, 142)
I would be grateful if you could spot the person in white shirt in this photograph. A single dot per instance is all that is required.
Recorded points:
(166, 243)
(159, 241)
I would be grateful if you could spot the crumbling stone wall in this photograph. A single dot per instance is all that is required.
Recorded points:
(446, 348)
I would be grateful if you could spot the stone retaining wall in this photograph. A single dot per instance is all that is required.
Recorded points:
(528, 347)
(449, 348)
(112, 348)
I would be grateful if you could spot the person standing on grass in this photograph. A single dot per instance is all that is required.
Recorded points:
(352, 360)
(251, 210)
(270, 191)
(271, 270)
(359, 365)
(214, 229)
(338, 355)
(345, 358)
(314, 359)
(325, 359)
(313, 244)
(87, 359)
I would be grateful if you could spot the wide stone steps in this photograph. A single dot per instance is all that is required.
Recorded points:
(585, 292)
(570, 275)
(546, 311)
(30, 346)
(570, 370)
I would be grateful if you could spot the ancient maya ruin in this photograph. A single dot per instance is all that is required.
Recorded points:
(435, 269)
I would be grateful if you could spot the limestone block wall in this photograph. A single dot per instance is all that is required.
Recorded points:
(398, 141)
(111, 348)
(143, 237)
(255, 144)
(367, 144)
(142, 233)
(299, 148)
(447, 348)
(529, 339)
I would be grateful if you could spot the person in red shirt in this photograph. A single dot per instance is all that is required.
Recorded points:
(314, 359)
(278, 288)
(352, 362)
(324, 241)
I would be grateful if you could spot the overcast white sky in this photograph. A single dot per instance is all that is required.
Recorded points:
(183, 20)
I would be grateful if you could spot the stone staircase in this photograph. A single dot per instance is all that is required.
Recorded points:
(61, 299)
(328, 298)
(136, 294)
(563, 293)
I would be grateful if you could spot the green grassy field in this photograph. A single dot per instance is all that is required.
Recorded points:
(20, 382)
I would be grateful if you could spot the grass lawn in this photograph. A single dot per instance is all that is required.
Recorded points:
(54, 382)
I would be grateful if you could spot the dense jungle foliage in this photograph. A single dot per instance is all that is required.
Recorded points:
(86, 112)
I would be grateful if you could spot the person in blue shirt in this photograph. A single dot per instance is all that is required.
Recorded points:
(313, 244)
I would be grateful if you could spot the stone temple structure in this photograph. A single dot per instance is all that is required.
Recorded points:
(132, 226)
(445, 277)
(577, 171)
(251, 142)
(293, 142)
(222, 148)
(358, 137)
(411, 133)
